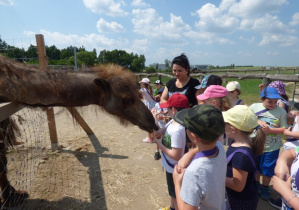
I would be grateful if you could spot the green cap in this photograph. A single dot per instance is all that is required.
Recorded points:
(204, 121)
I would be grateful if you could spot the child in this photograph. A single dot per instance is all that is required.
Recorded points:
(241, 187)
(159, 87)
(202, 184)
(160, 116)
(234, 91)
(269, 116)
(285, 184)
(283, 102)
(206, 82)
(149, 101)
(173, 143)
(216, 96)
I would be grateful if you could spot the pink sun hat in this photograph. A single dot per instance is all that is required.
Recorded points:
(213, 91)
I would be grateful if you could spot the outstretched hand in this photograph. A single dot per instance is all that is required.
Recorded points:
(281, 186)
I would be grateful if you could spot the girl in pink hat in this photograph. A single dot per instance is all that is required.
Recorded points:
(146, 92)
(215, 95)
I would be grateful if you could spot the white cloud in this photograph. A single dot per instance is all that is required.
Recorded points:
(107, 7)
(281, 40)
(255, 8)
(207, 38)
(151, 24)
(213, 19)
(105, 27)
(139, 3)
(141, 46)
(295, 19)
(226, 4)
(269, 24)
(7, 2)
(89, 41)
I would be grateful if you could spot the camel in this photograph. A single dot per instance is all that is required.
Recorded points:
(110, 87)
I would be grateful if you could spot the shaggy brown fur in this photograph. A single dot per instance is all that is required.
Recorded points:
(110, 87)
(10, 196)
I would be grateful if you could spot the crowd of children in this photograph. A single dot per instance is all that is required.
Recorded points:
(202, 178)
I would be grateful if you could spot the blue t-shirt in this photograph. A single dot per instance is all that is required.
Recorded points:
(242, 162)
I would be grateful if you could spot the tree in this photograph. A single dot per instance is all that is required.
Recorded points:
(133, 62)
(3, 46)
(150, 69)
(167, 64)
(31, 53)
(53, 52)
(82, 48)
(68, 52)
(87, 58)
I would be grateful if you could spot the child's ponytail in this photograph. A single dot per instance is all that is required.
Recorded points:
(258, 141)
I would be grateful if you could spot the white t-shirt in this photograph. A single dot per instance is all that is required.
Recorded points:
(175, 137)
(204, 182)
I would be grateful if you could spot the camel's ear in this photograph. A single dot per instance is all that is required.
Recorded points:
(102, 84)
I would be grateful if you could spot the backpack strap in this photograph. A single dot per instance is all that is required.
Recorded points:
(261, 112)
(238, 102)
(170, 164)
(245, 152)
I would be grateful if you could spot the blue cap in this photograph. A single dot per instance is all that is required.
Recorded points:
(203, 83)
(270, 92)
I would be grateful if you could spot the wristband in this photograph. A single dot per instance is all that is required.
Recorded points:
(292, 198)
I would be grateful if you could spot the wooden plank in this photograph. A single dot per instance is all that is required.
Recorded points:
(43, 63)
(52, 128)
(9, 109)
(80, 120)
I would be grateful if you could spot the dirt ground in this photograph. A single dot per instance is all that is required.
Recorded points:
(112, 169)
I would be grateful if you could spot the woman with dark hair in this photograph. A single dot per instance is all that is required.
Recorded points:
(183, 83)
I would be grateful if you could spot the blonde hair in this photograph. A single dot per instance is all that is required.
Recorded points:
(224, 103)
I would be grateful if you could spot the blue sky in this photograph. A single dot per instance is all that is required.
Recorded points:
(216, 32)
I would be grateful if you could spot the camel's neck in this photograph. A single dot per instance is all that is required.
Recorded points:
(52, 88)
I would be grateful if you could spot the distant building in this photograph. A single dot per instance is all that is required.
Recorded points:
(198, 68)
(160, 66)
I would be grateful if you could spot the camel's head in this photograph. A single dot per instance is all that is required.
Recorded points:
(120, 97)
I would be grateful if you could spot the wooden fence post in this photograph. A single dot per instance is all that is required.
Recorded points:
(43, 63)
